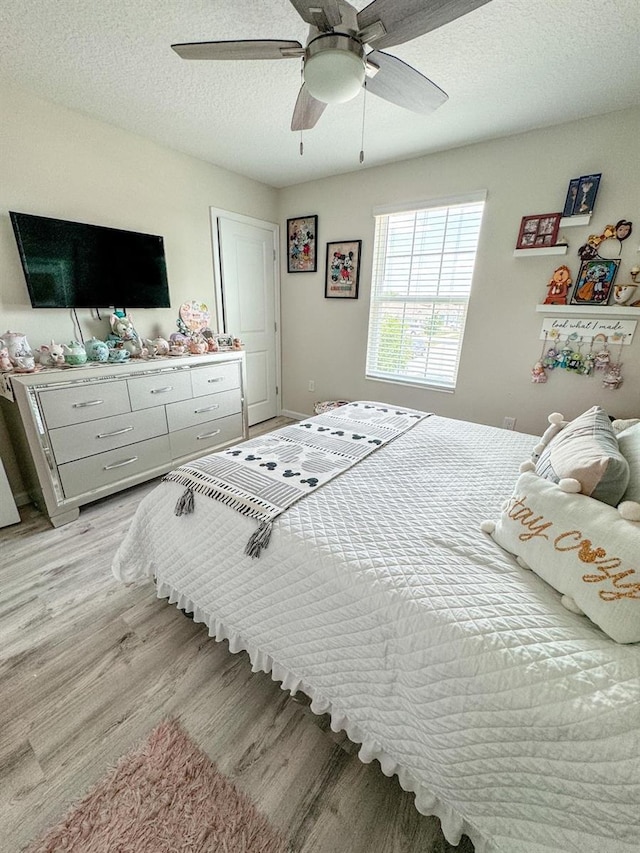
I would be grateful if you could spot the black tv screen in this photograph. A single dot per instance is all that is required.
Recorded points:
(75, 265)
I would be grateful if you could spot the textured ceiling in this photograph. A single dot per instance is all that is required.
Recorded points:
(509, 66)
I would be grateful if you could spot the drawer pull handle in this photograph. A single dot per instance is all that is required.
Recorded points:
(217, 379)
(121, 464)
(162, 390)
(207, 434)
(207, 409)
(115, 432)
(87, 403)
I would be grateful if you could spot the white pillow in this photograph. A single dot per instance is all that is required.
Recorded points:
(581, 547)
(586, 450)
(629, 444)
(623, 423)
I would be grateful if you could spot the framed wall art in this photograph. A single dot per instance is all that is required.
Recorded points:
(342, 275)
(581, 195)
(302, 238)
(572, 194)
(586, 195)
(595, 281)
(538, 232)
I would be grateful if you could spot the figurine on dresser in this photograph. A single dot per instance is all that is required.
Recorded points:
(51, 355)
(97, 350)
(19, 352)
(74, 354)
(5, 361)
(123, 334)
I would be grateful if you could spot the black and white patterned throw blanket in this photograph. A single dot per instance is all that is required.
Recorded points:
(264, 476)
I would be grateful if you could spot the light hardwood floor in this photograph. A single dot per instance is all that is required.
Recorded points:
(88, 666)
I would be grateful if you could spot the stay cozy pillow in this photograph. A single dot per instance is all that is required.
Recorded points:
(587, 451)
(579, 546)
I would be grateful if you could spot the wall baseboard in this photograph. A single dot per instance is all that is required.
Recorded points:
(295, 415)
(22, 498)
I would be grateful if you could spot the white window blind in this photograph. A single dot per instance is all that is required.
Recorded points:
(422, 269)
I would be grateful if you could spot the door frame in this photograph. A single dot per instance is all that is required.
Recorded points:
(217, 213)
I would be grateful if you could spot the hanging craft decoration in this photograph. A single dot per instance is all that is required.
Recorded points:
(550, 360)
(571, 337)
(538, 373)
(612, 379)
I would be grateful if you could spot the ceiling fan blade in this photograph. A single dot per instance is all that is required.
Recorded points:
(404, 20)
(403, 85)
(323, 14)
(307, 110)
(250, 49)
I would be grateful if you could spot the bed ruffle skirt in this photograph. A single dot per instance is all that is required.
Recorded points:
(454, 825)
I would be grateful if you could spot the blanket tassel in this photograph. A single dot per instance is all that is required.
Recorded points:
(184, 505)
(259, 539)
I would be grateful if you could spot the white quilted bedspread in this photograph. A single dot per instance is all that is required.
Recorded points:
(514, 720)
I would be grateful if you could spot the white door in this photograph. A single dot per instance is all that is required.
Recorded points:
(247, 302)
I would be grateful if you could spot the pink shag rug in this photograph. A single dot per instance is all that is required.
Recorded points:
(165, 797)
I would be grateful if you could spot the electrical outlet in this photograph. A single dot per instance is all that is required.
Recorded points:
(312, 385)
(509, 423)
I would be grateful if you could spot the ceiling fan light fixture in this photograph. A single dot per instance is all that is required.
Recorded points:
(334, 68)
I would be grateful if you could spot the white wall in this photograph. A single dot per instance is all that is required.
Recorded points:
(325, 339)
(60, 163)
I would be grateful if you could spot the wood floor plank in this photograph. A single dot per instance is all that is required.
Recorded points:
(88, 666)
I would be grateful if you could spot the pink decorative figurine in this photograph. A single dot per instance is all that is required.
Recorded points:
(537, 373)
(613, 377)
(5, 361)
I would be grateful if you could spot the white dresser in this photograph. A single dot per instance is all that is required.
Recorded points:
(86, 432)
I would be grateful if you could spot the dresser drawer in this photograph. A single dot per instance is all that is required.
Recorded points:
(81, 403)
(215, 377)
(202, 438)
(148, 391)
(80, 440)
(201, 409)
(104, 469)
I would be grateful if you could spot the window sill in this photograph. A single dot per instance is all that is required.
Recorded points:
(425, 386)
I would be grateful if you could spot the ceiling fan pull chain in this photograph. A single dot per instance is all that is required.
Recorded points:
(364, 103)
(302, 85)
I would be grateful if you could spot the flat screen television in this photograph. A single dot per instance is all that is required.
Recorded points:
(75, 265)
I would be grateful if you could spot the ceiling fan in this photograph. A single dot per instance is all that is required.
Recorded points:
(343, 53)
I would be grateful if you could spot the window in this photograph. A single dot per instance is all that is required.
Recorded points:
(423, 263)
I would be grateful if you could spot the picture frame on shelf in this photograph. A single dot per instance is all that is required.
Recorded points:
(586, 195)
(302, 239)
(595, 282)
(539, 231)
(572, 194)
(225, 342)
(342, 274)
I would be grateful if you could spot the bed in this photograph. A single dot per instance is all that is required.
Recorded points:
(514, 720)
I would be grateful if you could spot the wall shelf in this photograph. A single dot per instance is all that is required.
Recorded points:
(572, 221)
(601, 310)
(543, 250)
